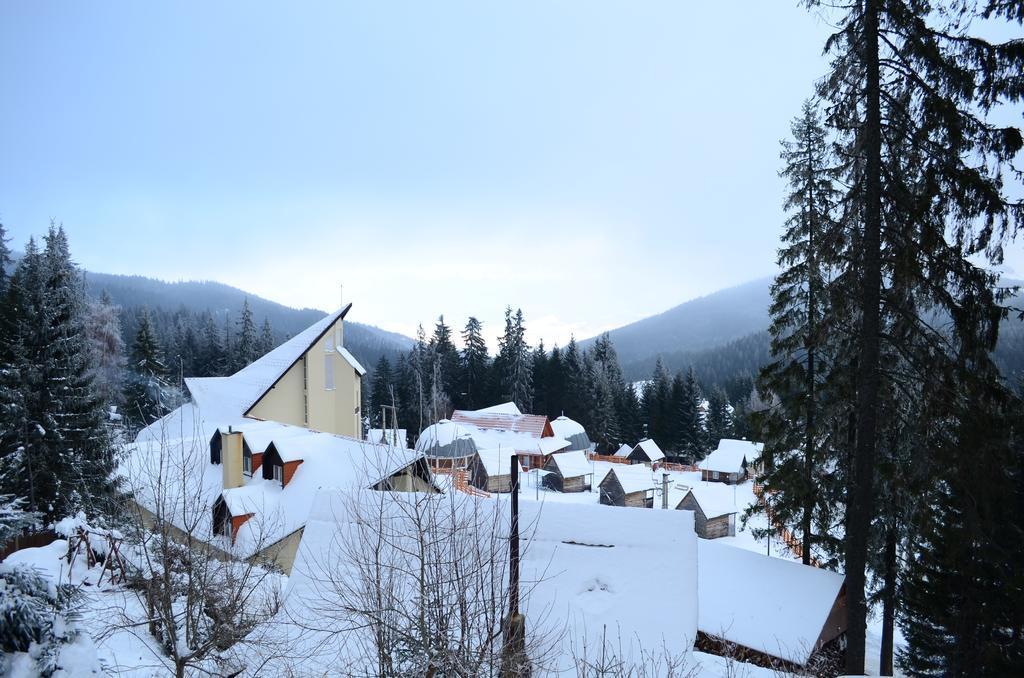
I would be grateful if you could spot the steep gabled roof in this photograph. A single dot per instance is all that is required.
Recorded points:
(651, 449)
(226, 397)
(572, 464)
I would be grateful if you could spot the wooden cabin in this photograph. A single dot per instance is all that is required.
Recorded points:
(491, 470)
(569, 472)
(712, 517)
(628, 486)
(731, 463)
(646, 452)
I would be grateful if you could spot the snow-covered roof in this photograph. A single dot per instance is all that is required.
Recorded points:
(180, 468)
(501, 408)
(387, 436)
(729, 456)
(623, 451)
(579, 570)
(651, 449)
(715, 499)
(564, 427)
(634, 478)
(351, 360)
(497, 461)
(505, 417)
(551, 445)
(227, 397)
(445, 432)
(772, 605)
(572, 464)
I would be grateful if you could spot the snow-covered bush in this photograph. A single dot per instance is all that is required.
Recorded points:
(13, 518)
(32, 616)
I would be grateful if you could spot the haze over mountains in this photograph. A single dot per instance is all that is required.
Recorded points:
(722, 335)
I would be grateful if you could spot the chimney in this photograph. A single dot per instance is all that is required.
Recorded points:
(664, 490)
(231, 458)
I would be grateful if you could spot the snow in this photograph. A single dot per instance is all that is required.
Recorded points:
(634, 478)
(564, 427)
(768, 604)
(551, 445)
(623, 451)
(730, 455)
(715, 499)
(580, 568)
(387, 436)
(443, 433)
(502, 408)
(167, 470)
(497, 461)
(651, 449)
(351, 360)
(572, 464)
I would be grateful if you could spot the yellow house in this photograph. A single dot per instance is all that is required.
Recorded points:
(311, 380)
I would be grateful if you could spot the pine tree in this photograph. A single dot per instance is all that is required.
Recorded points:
(212, 352)
(799, 331)
(266, 343)
(513, 362)
(145, 394)
(692, 443)
(554, 383)
(5, 258)
(447, 359)
(247, 345)
(73, 448)
(103, 330)
(719, 419)
(475, 363)
(905, 73)
(657, 398)
(381, 393)
(539, 376)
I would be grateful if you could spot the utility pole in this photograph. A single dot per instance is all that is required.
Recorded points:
(513, 660)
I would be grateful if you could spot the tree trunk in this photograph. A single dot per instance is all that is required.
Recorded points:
(859, 494)
(888, 603)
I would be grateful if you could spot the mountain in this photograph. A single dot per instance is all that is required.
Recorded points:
(684, 332)
(366, 342)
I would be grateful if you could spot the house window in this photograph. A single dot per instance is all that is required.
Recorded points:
(305, 390)
(247, 464)
(328, 373)
(279, 474)
(227, 526)
(714, 475)
(337, 335)
(329, 344)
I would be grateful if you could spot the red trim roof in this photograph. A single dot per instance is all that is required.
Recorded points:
(535, 425)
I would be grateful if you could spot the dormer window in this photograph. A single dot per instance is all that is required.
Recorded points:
(329, 344)
(279, 473)
(247, 464)
(328, 373)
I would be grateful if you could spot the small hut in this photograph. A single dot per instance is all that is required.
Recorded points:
(491, 470)
(646, 452)
(731, 462)
(568, 472)
(714, 513)
(628, 486)
(624, 451)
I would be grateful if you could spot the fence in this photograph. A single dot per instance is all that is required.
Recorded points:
(788, 538)
(608, 458)
(460, 481)
(28, 541)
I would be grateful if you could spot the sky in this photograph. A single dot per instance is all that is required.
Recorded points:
(590, 162)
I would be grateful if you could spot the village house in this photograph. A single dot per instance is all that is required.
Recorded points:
(624, 451)
(311, 380)
(453, 442)
(646, 452)
(767, 608)
(572, 431)
(491, 470)
(732, 462)
(254, 476)
(569, 472)
(713, 508)
(628, 486)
